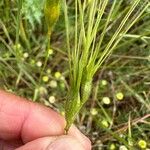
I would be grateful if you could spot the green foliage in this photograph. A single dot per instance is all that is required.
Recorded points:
(32, 10)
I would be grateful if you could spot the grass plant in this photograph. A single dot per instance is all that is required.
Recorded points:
(90, 51)
(97, 55)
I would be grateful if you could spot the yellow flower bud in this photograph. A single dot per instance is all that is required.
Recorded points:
(45, 78)
(93, 111)
(52, 99)
(53, 84)
(50, 51)
(142, 144)
(119, 96)
(106, 100)
(104, 82)
(57, 75)
(122, 147)
(105, 123)
(39, 63)
(112, 146)
(51, 12)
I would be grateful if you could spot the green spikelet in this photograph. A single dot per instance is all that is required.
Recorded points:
(86, 91)
(51, 11)
(72, 108)
(86, 86)
(77, 99)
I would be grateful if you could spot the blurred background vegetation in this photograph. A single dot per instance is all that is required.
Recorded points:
(117, 116)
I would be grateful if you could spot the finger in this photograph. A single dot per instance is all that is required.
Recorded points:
(52, 143)
(10, 145)
(81, 137)
(20, 118)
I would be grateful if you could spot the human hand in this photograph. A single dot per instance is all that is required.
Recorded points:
(25, 125)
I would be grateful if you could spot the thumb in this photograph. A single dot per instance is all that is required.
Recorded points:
(64, 142)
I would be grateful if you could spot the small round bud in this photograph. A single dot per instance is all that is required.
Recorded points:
(57, 75)
(39, 64)
(53, 84)
(50, 51)
(52, 99)
(26, 55)
(142, 144)
(112, 146)
(48, 71)
(45, 78)
(106, 100)
(17, 46)
(104, 82)
(105, 123)
(42, 91)
(94, 111)
(119, 96)
(122, 147)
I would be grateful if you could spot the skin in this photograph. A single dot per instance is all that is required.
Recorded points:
(25, 125)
